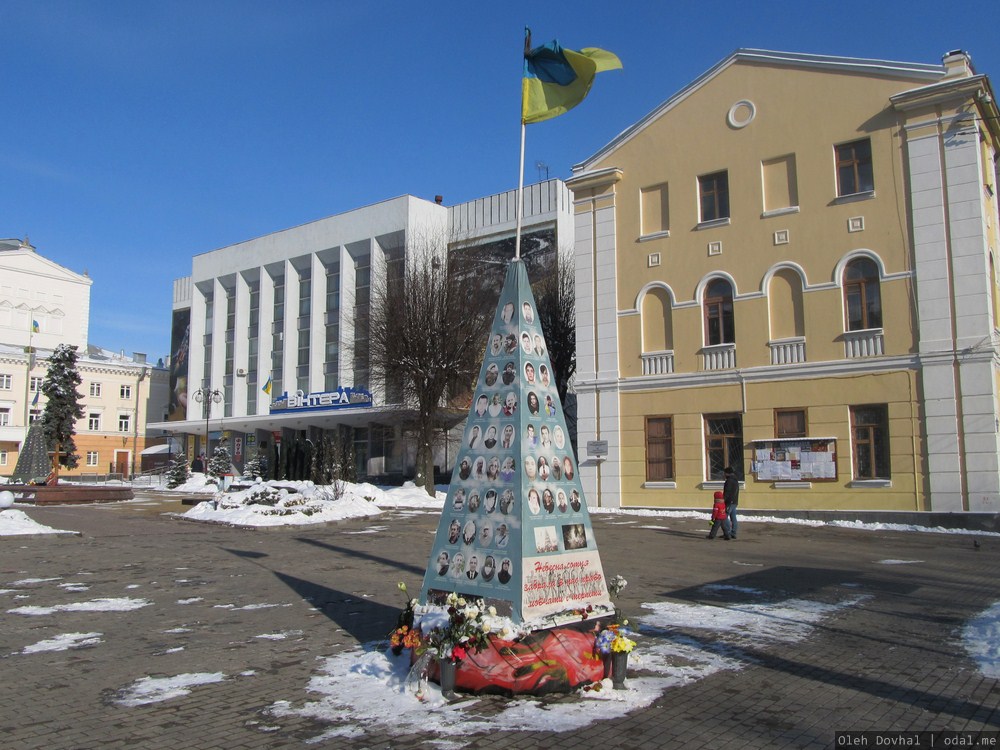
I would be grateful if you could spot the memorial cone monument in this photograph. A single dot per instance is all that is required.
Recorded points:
(515, 530)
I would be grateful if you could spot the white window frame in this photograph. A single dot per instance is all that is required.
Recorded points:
(35, 383)
(95, 390)
(125, 391)
(5, 412)
(125, 423)
(94, 417)
(3, 456)
(93, 458)
(6, 381)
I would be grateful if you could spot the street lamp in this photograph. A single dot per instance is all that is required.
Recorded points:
(135, 427)
(207, 396)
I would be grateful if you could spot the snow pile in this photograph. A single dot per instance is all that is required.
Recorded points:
(285, 504)
(198, 482)
(981, 638)
(16, 522)
(157, 689)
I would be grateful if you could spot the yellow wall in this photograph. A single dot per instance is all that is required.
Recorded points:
(827, 404)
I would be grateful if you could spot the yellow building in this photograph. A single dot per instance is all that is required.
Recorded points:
(789, 267)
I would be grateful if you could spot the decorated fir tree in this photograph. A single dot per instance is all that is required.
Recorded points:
(62, 408)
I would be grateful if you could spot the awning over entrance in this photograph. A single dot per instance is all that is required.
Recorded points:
(325, 420)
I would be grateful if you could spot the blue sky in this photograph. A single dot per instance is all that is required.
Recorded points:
(139, 133)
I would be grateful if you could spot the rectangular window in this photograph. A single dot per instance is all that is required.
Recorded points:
(6, 382)
(870, 429)
(713, 191)
(723, 445)
(35, 384)
(4, 417)
(124, 423)
(94, 421)
(719, 322)
(789, 423)
(34, 415)
(655, 218)
(92, 458)
(126, 391)
(95, 390)
(780, 189)
(854, 168)
(659, 449)
(3, 458)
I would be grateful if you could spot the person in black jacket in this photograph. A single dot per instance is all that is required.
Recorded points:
(731, 494)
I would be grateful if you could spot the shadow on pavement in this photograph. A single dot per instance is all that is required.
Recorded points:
(416, 570)
(362, 619)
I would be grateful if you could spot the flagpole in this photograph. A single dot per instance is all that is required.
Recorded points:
(520, 198)
(28, 352)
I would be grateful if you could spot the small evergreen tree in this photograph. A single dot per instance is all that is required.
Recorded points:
(254, 467)
(316, 472)
(221, 463)
(63, 407)
(179, 472)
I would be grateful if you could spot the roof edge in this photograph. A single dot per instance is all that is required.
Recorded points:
(917, 71)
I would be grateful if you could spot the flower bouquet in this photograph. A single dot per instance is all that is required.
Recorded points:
(615, 640)
(464, 630)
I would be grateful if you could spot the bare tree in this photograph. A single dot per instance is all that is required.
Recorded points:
(555, 297)
(427, 333)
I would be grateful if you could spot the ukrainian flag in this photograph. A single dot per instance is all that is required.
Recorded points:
(557, 79)
(34, 326)
(267, 386)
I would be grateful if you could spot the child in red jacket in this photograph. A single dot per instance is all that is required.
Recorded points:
(719, 518)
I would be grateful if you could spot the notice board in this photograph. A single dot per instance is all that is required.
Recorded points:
(803, 459)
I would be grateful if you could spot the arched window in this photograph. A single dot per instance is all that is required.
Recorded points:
(720, 327)
(862, 295)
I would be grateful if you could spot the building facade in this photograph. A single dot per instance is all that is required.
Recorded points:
(789, 268)
(269, 335)
(43, 305)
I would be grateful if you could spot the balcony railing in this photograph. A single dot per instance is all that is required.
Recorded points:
(866, 343)
(788, 351)
(718, 357)
(657, 363)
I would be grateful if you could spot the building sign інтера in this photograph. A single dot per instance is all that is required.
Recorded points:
(342, 398)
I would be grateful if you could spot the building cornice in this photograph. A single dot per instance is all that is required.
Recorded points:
(595, 179)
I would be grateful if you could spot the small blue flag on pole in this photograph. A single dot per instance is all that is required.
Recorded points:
(267, 386)
(34, 326)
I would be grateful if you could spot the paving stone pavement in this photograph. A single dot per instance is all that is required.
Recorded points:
(894, 661)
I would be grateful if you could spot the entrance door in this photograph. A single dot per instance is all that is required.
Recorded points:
(121, 462)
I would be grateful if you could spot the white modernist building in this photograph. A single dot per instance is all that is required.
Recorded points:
(269, 335)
